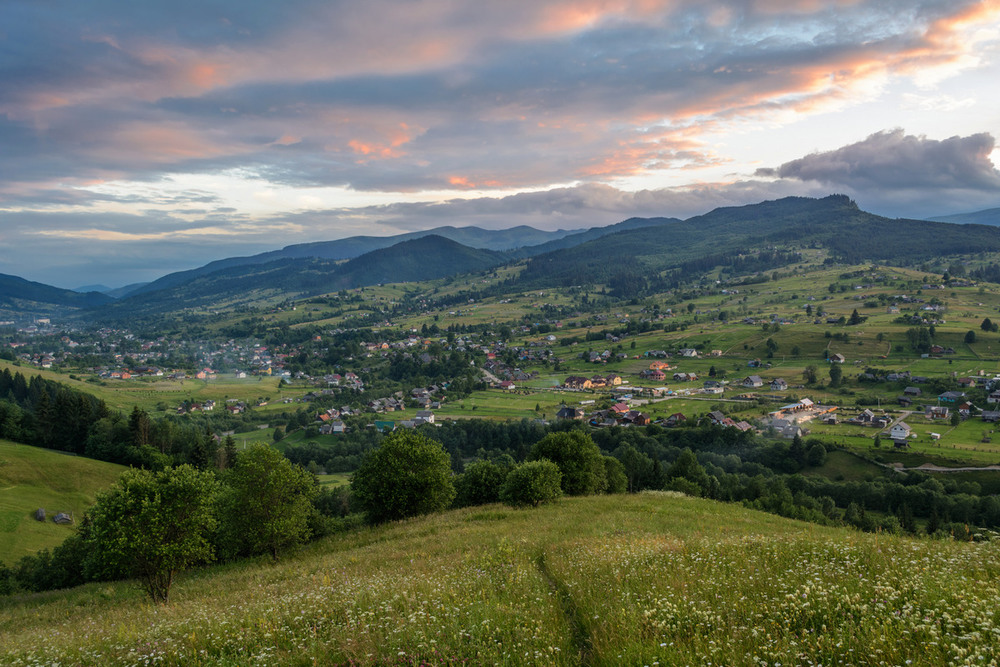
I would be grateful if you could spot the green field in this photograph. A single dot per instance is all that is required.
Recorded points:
(640, 580)
(162, 395)
(30, 478)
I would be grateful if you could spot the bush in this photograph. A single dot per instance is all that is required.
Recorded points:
(683, 485)
(532, 483)
(580, 461)
(480, 484)
(407, 475)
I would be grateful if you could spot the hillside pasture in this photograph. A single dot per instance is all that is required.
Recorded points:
(651, 579)
(32, 478)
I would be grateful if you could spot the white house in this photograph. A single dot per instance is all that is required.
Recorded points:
(899, 431)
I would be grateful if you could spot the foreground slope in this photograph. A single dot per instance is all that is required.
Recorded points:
(647, 579)
(31, 477)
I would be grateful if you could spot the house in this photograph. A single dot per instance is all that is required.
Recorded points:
(911, 391)
(866, 416)
(990, 415)
(675, 419)
(613, 380)
(967, 382)
(904, 401)
(900, 431)
(752, 381)
(778, 384)
(660, 365)
(716, 417)
(570, 413)
(597, 381)
(619, 408)
(424, 417)
(952, 397)
(635, 418)
(685, 377)
(994, 396)
(936, 412)
(716, 390)
(577, 382)
(653, 374)
(688, 352)
(507, 385)
(837, 358)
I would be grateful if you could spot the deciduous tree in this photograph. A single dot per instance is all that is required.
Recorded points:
(407, 475)
(265, 503)
(151, 525)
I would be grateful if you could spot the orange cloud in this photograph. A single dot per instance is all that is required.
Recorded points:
(467, 184)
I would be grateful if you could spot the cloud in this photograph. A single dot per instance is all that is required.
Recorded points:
(893, 160)
(433, 94)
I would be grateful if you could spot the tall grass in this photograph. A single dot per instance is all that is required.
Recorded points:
(648, 579)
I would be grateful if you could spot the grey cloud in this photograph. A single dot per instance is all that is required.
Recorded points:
(893, 160)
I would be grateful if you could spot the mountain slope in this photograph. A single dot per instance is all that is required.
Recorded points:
(591, 234)
(355, 246)
(834, 222)
(990, 216)
(425, 258)
(605, 580)
(31, 477)
(25, 298)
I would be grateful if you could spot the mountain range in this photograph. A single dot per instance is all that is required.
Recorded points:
(634, 255)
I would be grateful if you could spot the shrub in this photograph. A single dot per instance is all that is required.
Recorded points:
(407, 475)
(579, 459)
(479, 484)
(532, 483)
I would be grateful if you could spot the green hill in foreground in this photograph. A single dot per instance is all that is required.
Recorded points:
(30, 478)
(648, 579)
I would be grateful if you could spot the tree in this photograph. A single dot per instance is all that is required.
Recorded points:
(479, 484)
(970, 336)
(579, 460)
(265, 503)
(816, 456)
(407, 475)
(615, 471)
(836, 374)
(856, 318)
(955, 419)
(987, 325)
(687, 467)
(810, 374)
(151, 525)
(532, 483)
(638, 467)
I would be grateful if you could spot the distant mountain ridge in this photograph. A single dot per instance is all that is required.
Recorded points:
(990, 216)
(20, 297)
(636, 256)
(355, 246)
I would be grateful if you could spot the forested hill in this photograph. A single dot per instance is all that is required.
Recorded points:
(834, 222)
(426, 258)
(19, 296)
(356, 246)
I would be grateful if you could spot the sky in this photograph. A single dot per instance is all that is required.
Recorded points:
(141, 138)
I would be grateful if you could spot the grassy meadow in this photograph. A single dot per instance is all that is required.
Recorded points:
(31, 477)
(656, 578)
